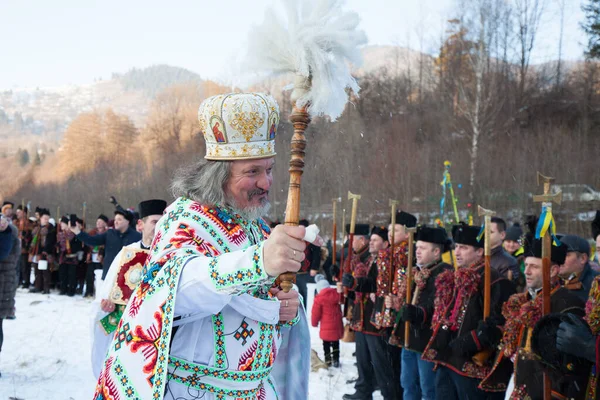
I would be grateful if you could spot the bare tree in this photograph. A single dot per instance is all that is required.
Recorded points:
(528, 14)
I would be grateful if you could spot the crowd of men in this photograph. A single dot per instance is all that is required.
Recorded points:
(438, 345)
(201, 309)
(61, 255)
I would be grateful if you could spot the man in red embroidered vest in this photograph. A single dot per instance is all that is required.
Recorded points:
(577, 342)
(459, 331)
(515, 359)
(384, 316)
(376, 360)
(418, 376)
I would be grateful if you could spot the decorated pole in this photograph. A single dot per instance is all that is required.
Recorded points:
(545, 229)
(341, 267)
(447, 184)
(481, 357)
(409, 279)
(315, 42)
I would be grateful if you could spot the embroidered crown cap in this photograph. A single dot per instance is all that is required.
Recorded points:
(239, 126)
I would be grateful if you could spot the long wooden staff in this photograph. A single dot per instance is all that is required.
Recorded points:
(83, 216)
(341, 266)
(392, 270)
(22, 222)
(394, 205)
(481, 357)
(546, 199)
(334, 234)
(58, 227)
(348, 267)
(409, 279)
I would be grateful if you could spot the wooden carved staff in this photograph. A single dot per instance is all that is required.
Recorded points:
(300, 120)
(409, 279)
(348, 266)
(482, 357)
(546, 199)
(341, 266)
(392, 271)
(319, 61)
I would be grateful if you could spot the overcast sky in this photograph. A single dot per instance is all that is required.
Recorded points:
(59, 42)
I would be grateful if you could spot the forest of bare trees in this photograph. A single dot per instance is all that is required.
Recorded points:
(479, 103)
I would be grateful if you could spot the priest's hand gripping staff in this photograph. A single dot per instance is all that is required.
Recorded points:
(482, 357)
(545, 230)
(409, 279)
(315, 42)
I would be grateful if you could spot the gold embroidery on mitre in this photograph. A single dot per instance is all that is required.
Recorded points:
(246, 122)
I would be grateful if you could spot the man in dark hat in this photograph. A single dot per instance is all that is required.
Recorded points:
(513, 244)
(459, 331)
(501, 260)
(377, 362)
(418, 376)
(515, 360)
(25, 228)
(150, 212)
(113, 240)
(94, 255)
(578, 341)
(576, 272)
(383, 316)
(68, 246)
(42, 252)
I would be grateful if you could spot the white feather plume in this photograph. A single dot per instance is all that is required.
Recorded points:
(317, 39)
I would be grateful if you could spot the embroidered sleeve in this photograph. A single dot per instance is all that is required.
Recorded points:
(289, 324)
(232, 273)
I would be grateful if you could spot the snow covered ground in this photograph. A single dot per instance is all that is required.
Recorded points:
(46, 353)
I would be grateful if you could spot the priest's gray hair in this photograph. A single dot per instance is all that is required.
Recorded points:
(203, 181)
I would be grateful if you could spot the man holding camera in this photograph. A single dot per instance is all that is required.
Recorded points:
(113, 240)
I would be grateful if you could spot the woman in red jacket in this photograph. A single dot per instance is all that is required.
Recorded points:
(326, 309)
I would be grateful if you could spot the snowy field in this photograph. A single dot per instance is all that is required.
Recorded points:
(46, 353)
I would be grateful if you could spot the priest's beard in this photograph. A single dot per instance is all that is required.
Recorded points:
(254, 212)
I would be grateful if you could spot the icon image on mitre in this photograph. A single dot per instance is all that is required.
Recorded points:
(129, 274)
(239, 126)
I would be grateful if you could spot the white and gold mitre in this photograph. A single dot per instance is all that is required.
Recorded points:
(239, 126)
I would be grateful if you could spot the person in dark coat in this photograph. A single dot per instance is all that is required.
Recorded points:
(576, 272)
(113, 240)
(69, 246)
(501, 260)
(43, 248)
(327, 311)
(418, 376)
(10, 250)
(515, 361)
(377, 361)
(459, 330)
